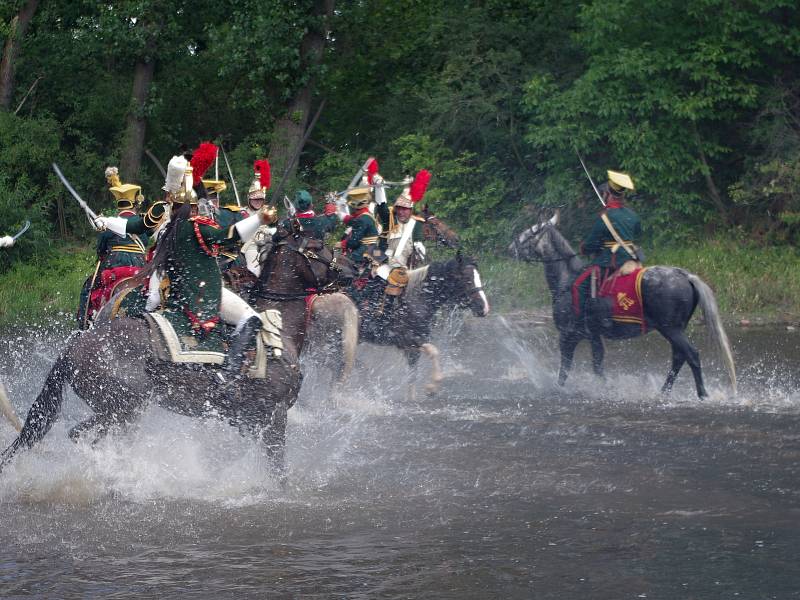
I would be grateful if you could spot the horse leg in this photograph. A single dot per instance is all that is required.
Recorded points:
(682, 346)
(567, 345)
(101, 424)
(598, 353)
(678, 358)
(436, 376)
(412, 357)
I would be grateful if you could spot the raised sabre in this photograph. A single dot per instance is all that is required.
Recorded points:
(25, 228)
(90, 214)
(230, 172)
(585, 170)
(156, 162)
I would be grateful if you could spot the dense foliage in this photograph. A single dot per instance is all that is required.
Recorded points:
(699, 101)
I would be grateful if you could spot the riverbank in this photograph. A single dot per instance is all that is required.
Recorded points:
(755, 284)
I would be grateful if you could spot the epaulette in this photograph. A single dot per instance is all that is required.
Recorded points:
(233, 208)
(154, 214)
(418, 218)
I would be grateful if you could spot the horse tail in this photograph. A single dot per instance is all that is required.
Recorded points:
(708, 304)
(43, 413)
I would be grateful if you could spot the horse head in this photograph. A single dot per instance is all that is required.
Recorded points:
(465, 285)
(534, 244)
(301, 263)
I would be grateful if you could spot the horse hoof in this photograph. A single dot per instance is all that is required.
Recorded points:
(431, 389)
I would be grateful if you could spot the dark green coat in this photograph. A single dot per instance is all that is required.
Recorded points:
(195, 283)
(230, 214)
(362, 237)
(599, 244)
(115, 251)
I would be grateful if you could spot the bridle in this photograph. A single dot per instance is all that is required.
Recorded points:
(309, 255)
(535, 235)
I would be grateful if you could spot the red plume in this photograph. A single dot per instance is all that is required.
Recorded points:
(419, 185)
(262, 170)
(202, 159)
(372, 168)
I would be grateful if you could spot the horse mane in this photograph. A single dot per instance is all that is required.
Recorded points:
(564, 249)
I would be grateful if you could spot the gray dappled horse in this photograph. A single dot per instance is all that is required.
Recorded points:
(669, 296)
(455, 282)
(112, 367)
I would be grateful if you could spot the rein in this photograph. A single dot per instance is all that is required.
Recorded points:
(535, 235)
(309, 255)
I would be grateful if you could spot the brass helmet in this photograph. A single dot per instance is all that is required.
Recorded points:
(359, 197)
(127, 195)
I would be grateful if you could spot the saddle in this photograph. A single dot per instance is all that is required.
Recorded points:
(169, 346)
(618, 300)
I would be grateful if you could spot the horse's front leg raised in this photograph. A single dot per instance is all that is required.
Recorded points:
(567, 344)
(598, 354)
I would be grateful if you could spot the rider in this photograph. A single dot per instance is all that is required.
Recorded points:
(401, 239)
(314, 226)
(609, 251)
(185, 261)
(118, 257)
(361, 241)
(611, 243)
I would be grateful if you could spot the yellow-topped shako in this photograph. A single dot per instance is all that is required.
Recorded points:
(127, 195)
(359, 197)
(620, 182)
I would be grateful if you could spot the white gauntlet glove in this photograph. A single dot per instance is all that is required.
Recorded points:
(6, 241)
(420, 249)
(380, 191)
(116, 225)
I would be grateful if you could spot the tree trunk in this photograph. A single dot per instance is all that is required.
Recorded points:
(290, 128)
(19, 25)
(136, 127)
(713, 191)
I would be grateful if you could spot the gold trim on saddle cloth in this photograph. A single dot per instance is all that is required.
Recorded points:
(638, 287)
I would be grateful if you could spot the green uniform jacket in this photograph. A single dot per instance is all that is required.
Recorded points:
(313, 227)
(227, 216)
(600, 243)
(149, 221)
(363, 236)
(116, 251)
(195, 281)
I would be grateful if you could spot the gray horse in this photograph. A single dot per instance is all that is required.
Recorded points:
(113, 368)
(669, 295)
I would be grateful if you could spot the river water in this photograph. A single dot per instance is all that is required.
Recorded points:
(503, 485)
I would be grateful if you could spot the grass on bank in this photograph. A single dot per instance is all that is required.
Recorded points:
(761, 284)
(45, 290)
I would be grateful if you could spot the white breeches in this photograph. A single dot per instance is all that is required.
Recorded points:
(235, 311)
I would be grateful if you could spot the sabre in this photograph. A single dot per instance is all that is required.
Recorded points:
(156, 162)
(359, 173)
(596, 191)
(25, 228)
(89, 212)
(290, 209)
(230, 172)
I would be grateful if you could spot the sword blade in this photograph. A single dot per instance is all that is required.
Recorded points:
(25, 228)
(230, 173)
(156, 162)
(89, 212)
(585, 170)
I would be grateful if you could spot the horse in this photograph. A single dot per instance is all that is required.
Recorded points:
(669, 296)
(408, 327)
(113, 368)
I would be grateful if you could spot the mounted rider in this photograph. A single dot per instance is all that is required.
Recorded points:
(187, 281)
(313, 225)
(118, 257)
(361, 240)
(401, 239)
(611, 243)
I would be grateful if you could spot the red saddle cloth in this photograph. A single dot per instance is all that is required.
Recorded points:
(625, 292)
(109, 279)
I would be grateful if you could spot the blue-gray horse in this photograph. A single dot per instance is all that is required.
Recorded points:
(669, 297)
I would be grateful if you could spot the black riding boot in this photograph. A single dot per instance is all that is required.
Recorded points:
(242, 342)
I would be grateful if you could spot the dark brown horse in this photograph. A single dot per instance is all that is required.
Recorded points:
(113, 368)
(456, 282)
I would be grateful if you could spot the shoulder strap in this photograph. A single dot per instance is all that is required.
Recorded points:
(616, 236)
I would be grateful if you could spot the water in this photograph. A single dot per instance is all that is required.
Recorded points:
(501, 486)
